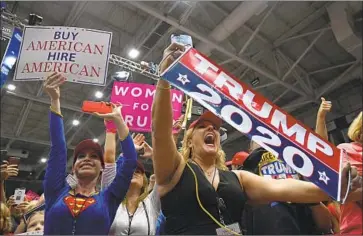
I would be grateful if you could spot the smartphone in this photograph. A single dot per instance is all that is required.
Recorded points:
(14, 160)
(183, 39)
(19, 195)
(100, 107)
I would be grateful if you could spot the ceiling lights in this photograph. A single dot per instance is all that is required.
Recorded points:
(134, 53)
(98, 94)
(11, 87)
(75, 122)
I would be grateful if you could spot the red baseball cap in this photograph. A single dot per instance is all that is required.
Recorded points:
(239, 158)
(89, 144)
(207, 116)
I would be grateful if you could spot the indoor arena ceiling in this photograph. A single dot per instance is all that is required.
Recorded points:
(290, 47)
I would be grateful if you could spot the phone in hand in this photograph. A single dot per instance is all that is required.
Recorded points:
(14, 160)
(100, 107)
(19, 195)
(183, 39)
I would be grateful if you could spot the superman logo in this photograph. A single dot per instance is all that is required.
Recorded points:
(78, 205)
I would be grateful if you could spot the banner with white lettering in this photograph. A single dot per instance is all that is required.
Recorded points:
(255, 116)
(136, 100)
(80, 54)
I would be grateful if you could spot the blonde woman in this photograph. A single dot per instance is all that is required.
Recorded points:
(138, 213)
(351, 212)
(198, 194)
(5, 219)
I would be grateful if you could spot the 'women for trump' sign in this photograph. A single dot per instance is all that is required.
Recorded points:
(136, 100)
(80, 54)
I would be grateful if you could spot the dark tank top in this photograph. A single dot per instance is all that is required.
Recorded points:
(183, 213)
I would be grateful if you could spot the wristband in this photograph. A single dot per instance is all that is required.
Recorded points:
(111, 130)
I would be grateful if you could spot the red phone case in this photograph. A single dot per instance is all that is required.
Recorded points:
(100, 107)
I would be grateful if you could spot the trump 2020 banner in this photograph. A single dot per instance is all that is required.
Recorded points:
(136, 100)
(255, 116)
(80, 54)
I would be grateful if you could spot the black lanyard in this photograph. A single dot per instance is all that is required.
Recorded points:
(132, 216)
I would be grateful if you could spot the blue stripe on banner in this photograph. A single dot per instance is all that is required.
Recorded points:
(191, 88)
(11, 55)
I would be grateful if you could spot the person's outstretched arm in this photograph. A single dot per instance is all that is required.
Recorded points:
(126, 165)
(55, 173)
(166, 158)
(320, 128)
(109, 172)
(262, 190)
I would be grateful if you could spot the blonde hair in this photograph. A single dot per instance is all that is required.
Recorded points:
(5, 218)
(355, 129)
(186, 151)
(144, 192)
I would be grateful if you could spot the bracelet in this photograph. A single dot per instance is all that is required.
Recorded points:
(167, 88)
(55, 112)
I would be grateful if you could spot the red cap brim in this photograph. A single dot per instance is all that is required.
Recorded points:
(207, 116)
(90, 145)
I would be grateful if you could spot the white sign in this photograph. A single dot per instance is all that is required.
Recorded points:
(80, 54)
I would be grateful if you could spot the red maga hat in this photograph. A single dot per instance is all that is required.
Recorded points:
(90, 145)
(207, 116)
(239, 158)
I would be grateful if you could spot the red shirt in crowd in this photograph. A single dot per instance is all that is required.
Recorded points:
(351, 213)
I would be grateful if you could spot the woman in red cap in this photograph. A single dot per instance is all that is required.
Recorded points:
(238, 160)
(82, 210)
(140, 208)
(198, 194)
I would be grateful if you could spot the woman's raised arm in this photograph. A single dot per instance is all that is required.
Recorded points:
(166, 158)
(55, 173)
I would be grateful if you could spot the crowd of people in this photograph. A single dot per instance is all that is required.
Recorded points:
(193, 189)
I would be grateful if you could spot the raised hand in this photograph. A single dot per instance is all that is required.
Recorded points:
(23, 207)
(8, 170)
(172, 52)
(324, 108)
(138, 140)
(4, 173)
(356, 180)
(52, 83)
(115, 115)
(11, 201)
(148, 151)
(177, 127)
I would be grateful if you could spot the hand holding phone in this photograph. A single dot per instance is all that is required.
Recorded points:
(183, 39)
(100, 107)
(14, 160)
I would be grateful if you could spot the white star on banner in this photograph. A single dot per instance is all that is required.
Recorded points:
(323, 177)
(183, 79)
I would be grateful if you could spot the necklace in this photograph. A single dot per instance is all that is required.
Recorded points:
(206, 173)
